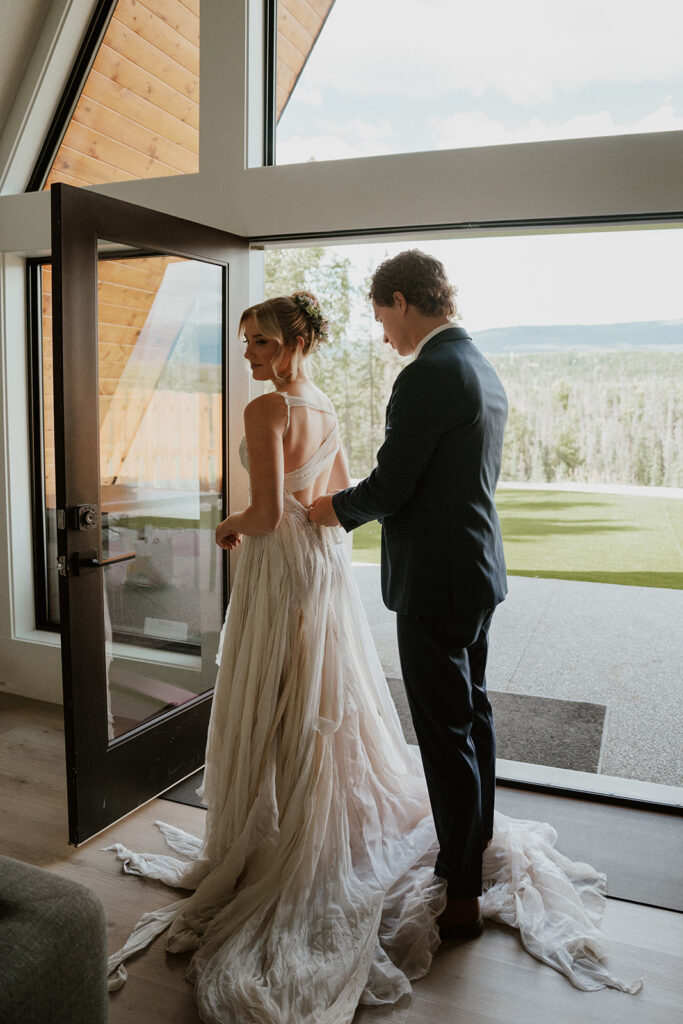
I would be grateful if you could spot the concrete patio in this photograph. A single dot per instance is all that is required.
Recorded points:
(613, 645)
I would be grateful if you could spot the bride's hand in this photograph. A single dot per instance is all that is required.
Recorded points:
(226, 538)
(230, 541)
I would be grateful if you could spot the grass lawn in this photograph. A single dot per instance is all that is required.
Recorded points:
(569, 535)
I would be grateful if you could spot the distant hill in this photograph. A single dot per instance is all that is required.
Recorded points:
(648, 334)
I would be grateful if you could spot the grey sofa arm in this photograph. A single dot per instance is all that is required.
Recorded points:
(52, 949)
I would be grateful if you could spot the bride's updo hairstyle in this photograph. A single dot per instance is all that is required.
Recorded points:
(284, 319)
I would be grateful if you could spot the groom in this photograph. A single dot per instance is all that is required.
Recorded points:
(443, 570)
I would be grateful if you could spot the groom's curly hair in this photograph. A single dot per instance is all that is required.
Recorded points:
(420, 278)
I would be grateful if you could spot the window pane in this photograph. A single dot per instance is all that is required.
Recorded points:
(160, 410)
(393, 76)
(52, 579)
(160, 337)
(138, 113)
(586, 332)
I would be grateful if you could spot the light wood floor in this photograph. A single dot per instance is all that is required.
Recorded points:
(490, 981)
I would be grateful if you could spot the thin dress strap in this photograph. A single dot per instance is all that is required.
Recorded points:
(297, 400)
(286, 398)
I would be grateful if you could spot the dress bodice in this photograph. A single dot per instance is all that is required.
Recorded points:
(305, 475)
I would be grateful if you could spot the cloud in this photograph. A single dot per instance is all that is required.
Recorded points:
(358, 138)
(460, 131)
(309, 95)
(664, 119)
(528, 51)
(337, 142)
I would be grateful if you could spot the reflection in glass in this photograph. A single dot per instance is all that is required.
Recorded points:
(48, 452)
(161, 477)
(160, 402)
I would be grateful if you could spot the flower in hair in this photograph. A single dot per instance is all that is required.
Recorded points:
(314, 314)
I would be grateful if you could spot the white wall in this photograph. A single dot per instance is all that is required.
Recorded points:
(615, 177)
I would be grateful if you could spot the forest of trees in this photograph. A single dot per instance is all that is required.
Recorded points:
(591, 416)
(612, 417)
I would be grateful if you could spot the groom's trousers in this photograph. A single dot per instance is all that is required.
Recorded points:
(443, 660)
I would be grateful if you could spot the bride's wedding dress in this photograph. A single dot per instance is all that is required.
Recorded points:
(313, 883)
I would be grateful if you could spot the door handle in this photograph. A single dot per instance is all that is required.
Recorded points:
(86, 561)
(95, 563)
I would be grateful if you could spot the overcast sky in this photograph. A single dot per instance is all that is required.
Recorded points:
(582, 278)
(391, 76)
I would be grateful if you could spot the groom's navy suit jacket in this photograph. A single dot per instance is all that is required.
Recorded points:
(433, 486)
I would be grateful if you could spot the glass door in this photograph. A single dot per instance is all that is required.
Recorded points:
(141, 315)
(160, 394)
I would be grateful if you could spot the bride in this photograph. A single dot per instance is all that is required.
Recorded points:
(313, 885)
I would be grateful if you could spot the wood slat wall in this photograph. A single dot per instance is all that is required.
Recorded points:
(175, 442)
(138, 114)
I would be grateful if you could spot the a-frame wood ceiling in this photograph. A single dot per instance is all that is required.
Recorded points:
(138, 113)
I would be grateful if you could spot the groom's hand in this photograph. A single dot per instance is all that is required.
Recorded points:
(322, 513)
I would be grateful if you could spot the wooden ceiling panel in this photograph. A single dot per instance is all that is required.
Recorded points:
(182, 18)
(160, 34)
(142, 156)
(288, 53)
(151, 60)
(140, 273)
(68, 179)
(86, 169)
(321, 7)
(117, 334)
(293, 32)
(118, 68)
(286, 80)
(139, 110)
(138, 114)
(121, 316)
(110, 293)
(102, 128)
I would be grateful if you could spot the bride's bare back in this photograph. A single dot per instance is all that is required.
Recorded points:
(308, 427)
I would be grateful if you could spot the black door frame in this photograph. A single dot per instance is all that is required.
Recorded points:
(106, 780)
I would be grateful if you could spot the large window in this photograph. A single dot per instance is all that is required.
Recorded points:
(394, 76)
(585, 329)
